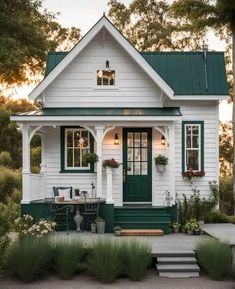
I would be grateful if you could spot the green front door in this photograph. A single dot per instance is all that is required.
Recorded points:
(137, 165)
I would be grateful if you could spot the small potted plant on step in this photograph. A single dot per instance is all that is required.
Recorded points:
(100, 225)
(117, 230)
(161, 161)
(191, 226)
(176, 227)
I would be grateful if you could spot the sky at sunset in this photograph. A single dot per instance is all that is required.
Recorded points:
(84, 14)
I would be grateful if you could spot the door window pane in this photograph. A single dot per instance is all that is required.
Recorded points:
(130, 168)
(144, 169)
(130, 139)
(144, 155)
(137, 139)
(130, 155)
(137, 155)
(144, 139)
(137, 168)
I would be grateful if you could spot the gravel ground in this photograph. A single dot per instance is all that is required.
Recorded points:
(152, 281)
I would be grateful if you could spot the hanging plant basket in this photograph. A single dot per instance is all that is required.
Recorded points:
(161, 168)
(161, 161)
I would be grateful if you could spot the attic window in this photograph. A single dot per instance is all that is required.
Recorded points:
(106, 77)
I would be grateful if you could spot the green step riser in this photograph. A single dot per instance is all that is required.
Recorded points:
(144, 226)
(141, 219)
(138, 212)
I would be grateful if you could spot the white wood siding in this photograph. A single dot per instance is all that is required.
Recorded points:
(76, 85)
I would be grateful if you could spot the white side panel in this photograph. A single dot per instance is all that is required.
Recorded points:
(76, 85)
(207, 112)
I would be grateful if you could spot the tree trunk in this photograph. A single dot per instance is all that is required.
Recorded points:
(233, 60)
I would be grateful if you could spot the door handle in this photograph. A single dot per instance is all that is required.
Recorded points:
(124, 175)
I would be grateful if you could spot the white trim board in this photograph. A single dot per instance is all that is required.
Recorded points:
(102, 23)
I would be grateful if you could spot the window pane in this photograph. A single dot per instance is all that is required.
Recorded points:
(137, 168)
(188, 129)
(144, 140)
(137, 155)
(76, 138)
(69, 157)
(77, 157)
(84, 163)
(188, 142)
(136, 139)
(192, 159)
(195, 130)
(130, 139)
(195, 142)
(130, 155)
(144, 170)
(85, 138)
(130, 168)
(69, 138)
(144, 155)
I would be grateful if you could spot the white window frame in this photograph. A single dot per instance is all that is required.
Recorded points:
(66, 148)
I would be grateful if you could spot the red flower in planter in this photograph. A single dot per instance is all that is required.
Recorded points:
(111, 163)
(193, 174)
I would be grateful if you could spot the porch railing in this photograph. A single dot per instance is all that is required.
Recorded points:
(36, 187)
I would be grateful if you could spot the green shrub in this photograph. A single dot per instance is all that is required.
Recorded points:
(135, 256)
(67, 257)
(8, 213)
(28, 257)
(4, 243)
(104, 260)
(10, 180)
(226, 195)
(215, 257)
(217, 217)
(5, 159)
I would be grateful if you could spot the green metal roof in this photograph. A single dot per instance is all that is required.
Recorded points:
(165, 111)
(184, 72)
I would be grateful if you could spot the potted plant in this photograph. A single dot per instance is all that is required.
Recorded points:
(93, 227)
(100, 225)
(117, 230)
(161, 161)
(191, 226)
(193, 174)
(111, 163)
(90, 158)
(176, 227)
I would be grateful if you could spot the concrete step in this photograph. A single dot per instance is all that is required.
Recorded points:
(178, 253)
(141, 232)
(179, 274)
(176, 260)
(178, 268)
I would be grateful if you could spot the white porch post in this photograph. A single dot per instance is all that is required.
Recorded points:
(26, 165)
(43, 167)
(109, 196)
(172, 159)
(99, 138)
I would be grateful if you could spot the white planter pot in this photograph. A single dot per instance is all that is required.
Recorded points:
(161, 168)
(100, 226)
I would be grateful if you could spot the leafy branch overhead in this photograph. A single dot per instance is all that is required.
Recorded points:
(27, 32)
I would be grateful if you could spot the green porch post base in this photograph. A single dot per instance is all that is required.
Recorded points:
(107, 213)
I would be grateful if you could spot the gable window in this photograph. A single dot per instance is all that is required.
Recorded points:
(75, 142)
(193, 145)
(106, 77)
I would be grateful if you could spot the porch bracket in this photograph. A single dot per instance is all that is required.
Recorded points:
(163, 131)
(107, 130)
(91, 131)
(32, 133)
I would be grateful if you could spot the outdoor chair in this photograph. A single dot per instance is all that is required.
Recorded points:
(60, 214)
(91, 209)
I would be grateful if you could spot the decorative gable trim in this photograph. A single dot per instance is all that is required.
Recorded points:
(130, 49)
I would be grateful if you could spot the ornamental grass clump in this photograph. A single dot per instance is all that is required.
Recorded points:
(28, 257)
(215, 257)
(104, 260)
(135, 256)
(67, 257)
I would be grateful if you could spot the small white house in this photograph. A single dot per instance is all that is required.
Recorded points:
(107, 97)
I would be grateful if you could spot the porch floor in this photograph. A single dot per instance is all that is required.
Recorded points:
(177, 243)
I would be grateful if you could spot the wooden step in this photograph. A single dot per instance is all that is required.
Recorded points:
(141, 232)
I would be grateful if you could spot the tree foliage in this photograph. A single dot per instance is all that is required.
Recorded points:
(150, 26)
(226, 149)
(27, 32)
